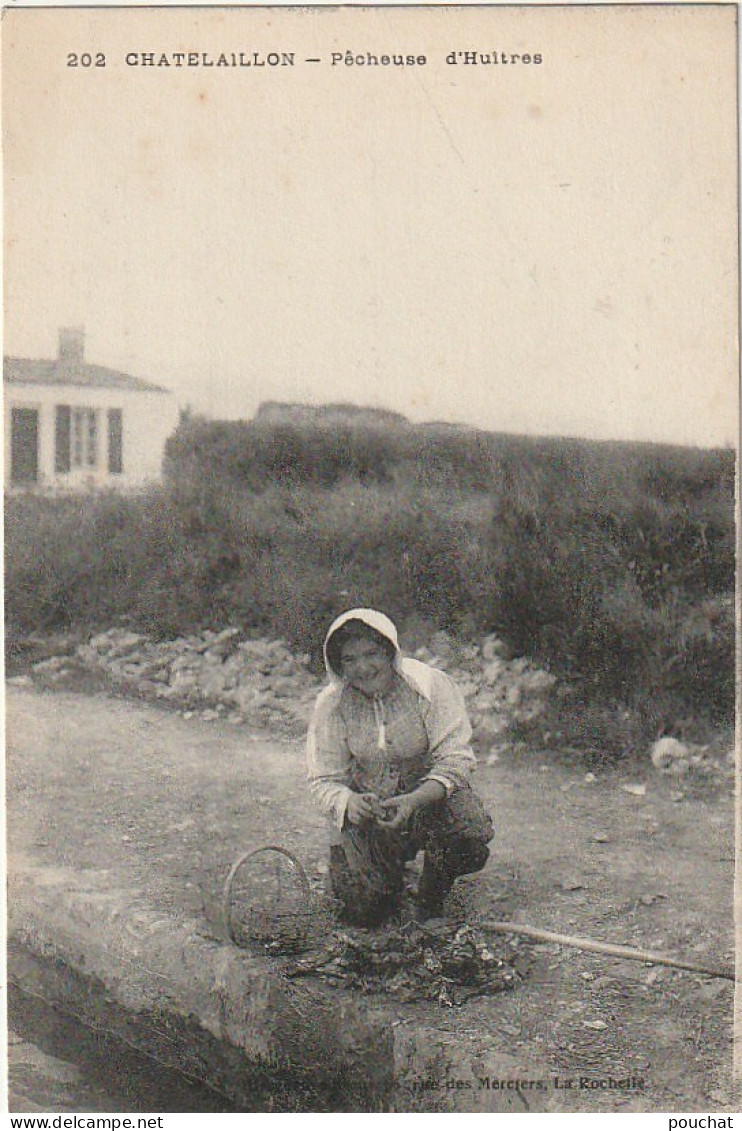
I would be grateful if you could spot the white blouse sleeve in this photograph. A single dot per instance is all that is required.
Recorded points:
(328, 757)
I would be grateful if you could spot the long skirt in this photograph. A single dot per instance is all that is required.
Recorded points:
(367, 867)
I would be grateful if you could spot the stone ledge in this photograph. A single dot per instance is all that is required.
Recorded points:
(229, 1019)
(107, 951)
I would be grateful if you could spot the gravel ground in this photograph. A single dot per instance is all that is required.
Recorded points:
(167, 803)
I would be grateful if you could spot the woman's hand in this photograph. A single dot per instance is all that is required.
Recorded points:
(363, 807)
(398, 810)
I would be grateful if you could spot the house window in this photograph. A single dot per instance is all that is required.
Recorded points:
(115, 441)
(84, 442)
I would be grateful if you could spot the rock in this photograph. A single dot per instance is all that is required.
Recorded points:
(247, 698)
(492, 647)
(117, 642)
(100, 643)
(224, 641)
(486, 700)
(53, 666)
(650, 900)
(637, 790)
(669, 755)
(530, 713)
(467, 686)
(536, 681)
(164, 691)
(184, 683)
(486, 728)
(442, 645)
(514, 696)
(20, 681)
(494, 670)
(150, 687)
(211, 681)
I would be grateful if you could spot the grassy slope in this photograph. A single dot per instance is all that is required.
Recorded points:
(613, 563)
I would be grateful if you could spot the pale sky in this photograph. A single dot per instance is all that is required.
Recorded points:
(532, 248)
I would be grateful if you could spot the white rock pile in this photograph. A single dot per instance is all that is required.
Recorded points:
(501, 694)
(675, 758)
(261, 683)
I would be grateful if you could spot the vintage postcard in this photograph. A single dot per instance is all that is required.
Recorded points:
(370, 401)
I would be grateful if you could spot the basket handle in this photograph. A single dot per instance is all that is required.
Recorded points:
(226, 907)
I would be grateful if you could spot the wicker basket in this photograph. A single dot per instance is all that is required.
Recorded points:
(281, 925)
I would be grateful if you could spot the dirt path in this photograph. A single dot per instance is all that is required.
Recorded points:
(166, 804)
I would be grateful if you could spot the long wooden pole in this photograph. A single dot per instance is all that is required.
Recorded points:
(630, 952)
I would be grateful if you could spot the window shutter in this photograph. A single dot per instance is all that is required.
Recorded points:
(115, 441)
(62, 430)
(92, 452)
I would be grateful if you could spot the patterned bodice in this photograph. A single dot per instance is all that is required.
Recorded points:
(386, 739)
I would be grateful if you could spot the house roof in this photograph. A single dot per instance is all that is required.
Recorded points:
(29, 371)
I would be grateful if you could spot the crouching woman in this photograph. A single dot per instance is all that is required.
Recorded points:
(389, 763)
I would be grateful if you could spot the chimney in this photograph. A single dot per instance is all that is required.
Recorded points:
(72, 345)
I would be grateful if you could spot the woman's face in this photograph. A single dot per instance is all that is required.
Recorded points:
(366, 665)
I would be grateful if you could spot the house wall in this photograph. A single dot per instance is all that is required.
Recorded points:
(148, 420)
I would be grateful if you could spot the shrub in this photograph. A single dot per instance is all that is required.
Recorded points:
(610, 564)
(618, 590)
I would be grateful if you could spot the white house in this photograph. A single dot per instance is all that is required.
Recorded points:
(70, 425)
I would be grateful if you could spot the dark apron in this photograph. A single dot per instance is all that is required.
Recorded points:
(367, 867)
